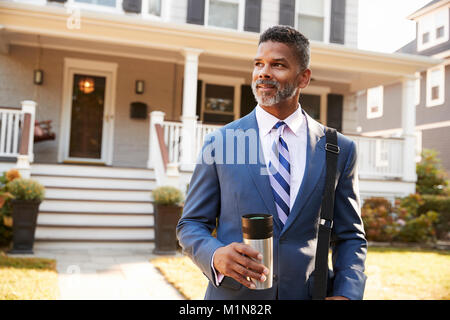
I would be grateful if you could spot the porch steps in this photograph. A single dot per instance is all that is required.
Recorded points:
(89, 206)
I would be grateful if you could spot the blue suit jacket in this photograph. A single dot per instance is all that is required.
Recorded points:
(221, 192)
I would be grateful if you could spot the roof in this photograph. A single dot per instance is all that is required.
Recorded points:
(428, 7)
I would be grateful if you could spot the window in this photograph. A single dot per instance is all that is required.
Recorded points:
(152, 8)
(433, 29)
(225, 14)
(425, 37)
(375, 102)
(312, 19)
(108, 3)
(435, 86)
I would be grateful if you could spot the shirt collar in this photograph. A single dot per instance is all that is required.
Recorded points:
(266, 121)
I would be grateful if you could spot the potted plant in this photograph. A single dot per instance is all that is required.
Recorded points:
(27, 196)
(168, 208)
(6, 221)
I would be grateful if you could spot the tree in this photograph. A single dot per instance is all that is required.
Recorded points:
(431, 178)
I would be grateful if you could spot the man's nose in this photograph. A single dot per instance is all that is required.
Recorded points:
(265, 73)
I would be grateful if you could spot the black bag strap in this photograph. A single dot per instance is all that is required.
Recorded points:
(326, 217)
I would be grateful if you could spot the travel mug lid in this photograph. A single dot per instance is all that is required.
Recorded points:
(257, 226)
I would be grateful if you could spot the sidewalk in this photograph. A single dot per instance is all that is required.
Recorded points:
(108, 274)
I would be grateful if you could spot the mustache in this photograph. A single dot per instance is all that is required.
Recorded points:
(268, 82)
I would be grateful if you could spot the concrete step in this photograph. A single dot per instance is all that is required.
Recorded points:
(91, 171)
(55, 193)
(58, 233)
(76, 245)
(96, 183)
(78, 219)
(67, 205)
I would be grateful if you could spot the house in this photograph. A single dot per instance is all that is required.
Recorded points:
(380, 113)
(132, 87)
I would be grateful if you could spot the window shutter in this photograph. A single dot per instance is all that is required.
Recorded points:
(196, 12)
(252, 15)
(60, 1)
(337, 23)
(133, 6)
(287, 12)
(248, 102)
(334, 111)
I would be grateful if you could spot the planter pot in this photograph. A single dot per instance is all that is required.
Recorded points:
(24, 213)
(166, 220)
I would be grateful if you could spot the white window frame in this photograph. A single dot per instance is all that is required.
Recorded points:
(372, 91)
(97, 7)
(326, 18)
(428, 23)
(34, 2)
(241, 15)
(441, 99)
(165, 6)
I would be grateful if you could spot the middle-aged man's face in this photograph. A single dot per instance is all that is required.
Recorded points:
(277, 75)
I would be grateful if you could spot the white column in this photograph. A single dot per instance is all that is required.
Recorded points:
(189, 117)
(24, 160)
(408, 125)
(153, 148)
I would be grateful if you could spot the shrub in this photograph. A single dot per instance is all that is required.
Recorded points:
(26, 189)
(431, 178)
(167, 196)
(379, 222)
(5, 206)
(441, 205)
(419, 229)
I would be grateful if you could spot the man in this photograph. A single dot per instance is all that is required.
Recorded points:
(288, 183)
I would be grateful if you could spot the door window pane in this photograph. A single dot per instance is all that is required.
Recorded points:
(223, 13)
(108, 3)
(87, 116)
(219, 98)
(311, 104)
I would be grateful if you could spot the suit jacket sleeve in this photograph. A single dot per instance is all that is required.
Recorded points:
(200, 211)
(348, 244)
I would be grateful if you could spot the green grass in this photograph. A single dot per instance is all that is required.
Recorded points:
(28, 278)
(393, 274)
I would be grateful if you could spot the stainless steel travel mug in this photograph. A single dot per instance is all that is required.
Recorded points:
(257, 232)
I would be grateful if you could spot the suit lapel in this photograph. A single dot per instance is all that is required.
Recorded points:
(257, 171)
(315, 162)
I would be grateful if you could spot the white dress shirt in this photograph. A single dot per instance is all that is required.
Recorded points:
(296, 138)
(294, 135)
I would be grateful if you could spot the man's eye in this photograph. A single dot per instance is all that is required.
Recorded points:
(278, 65)
(258, 64)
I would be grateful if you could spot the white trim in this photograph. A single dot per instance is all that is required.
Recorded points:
(96, 7)
(165, 10)
(95, 68)
(441, 98)
(390, 132)
(417, 88)
(379, 92)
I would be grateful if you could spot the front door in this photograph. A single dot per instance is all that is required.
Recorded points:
(88, 116)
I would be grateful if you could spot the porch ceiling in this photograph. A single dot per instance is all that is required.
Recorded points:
(131, 36)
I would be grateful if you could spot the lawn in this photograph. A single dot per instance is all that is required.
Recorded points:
(393, 274)
(28, 278)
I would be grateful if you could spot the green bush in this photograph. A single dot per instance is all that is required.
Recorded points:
(441, 205)
(5, 206)
(419, 229)
(167, 196)
(431, 178)
(379, 221)
(26, 189)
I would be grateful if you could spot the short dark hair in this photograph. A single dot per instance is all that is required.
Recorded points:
(291, 37)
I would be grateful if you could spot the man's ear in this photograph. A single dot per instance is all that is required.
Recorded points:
(305, 78)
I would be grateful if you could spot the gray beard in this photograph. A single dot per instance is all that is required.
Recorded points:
(269, 100)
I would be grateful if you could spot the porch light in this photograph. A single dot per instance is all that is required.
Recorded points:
(86, 85)
(38, 77)
(139, 88)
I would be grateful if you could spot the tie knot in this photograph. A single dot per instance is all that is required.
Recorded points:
(279, 124)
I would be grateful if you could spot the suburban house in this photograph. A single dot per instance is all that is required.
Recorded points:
(130, 88)
(380, 113)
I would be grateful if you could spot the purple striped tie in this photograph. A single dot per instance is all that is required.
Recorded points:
(280, 173)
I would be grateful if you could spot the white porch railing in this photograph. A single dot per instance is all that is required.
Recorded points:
(379, 158)
(17, 135)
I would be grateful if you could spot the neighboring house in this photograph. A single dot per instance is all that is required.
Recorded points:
(380, 112)
(132, 87)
